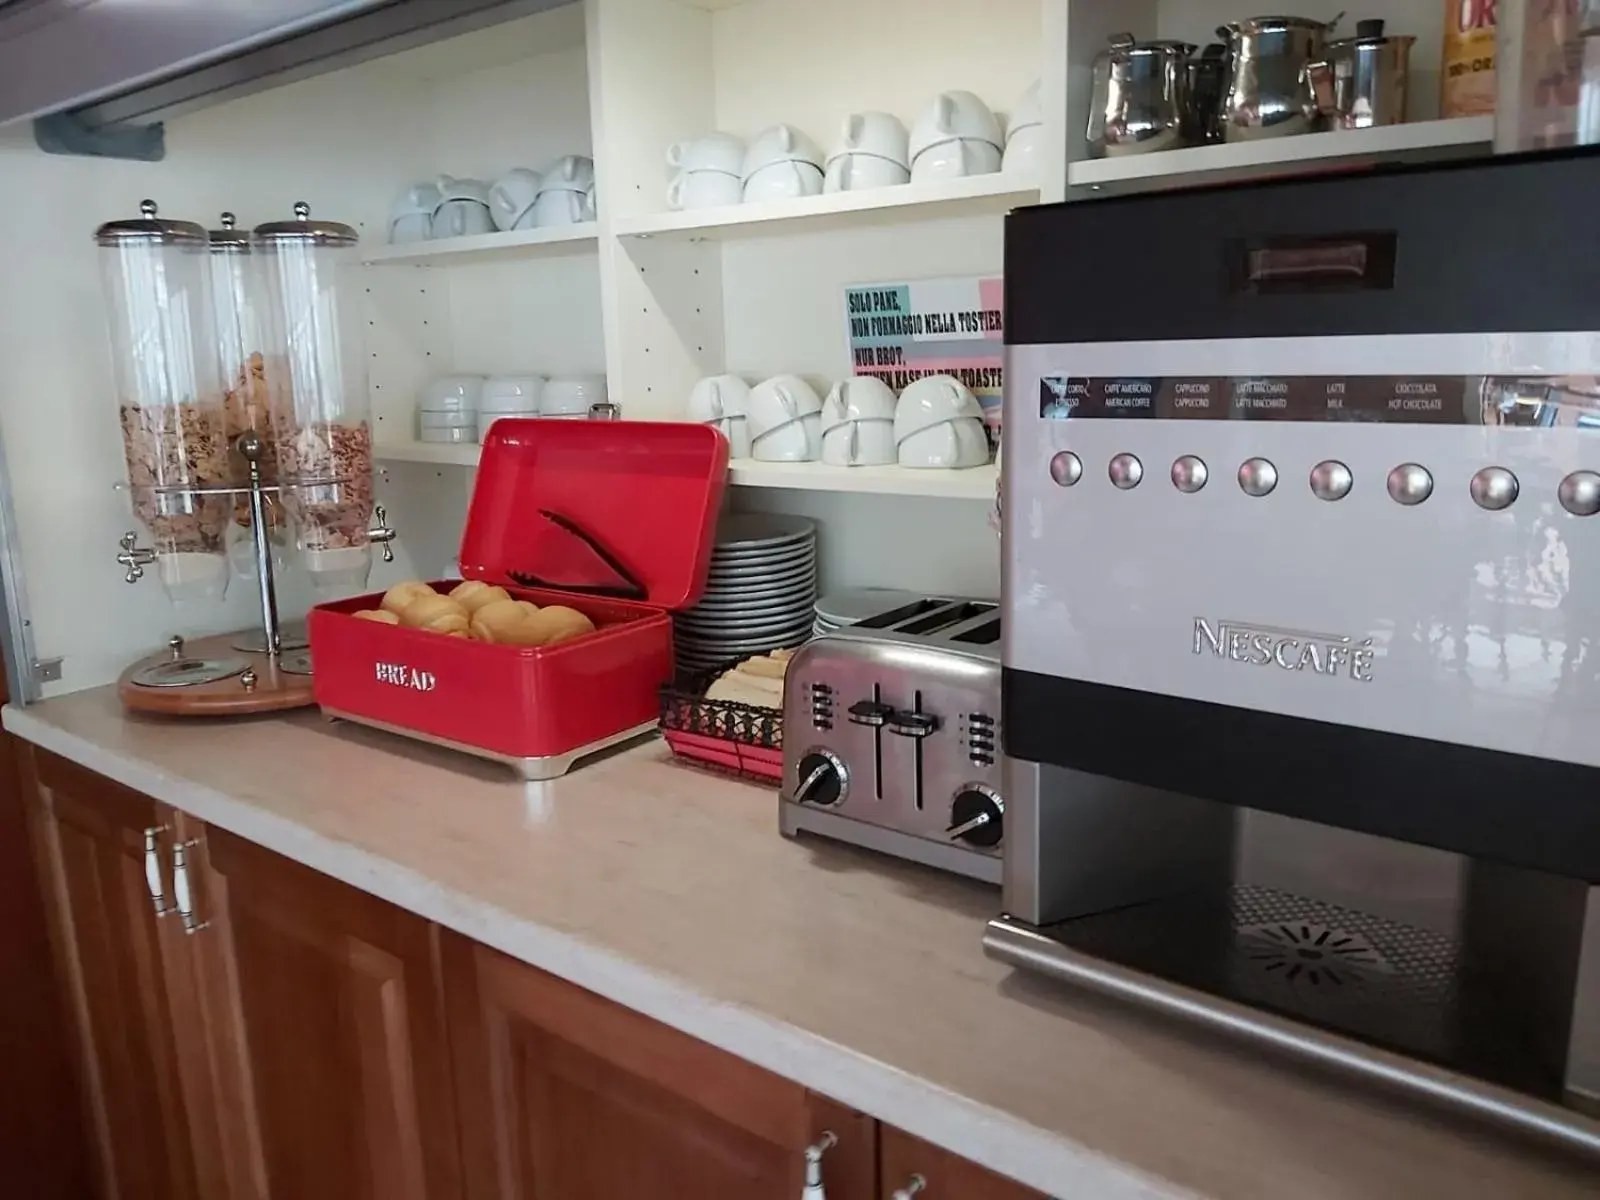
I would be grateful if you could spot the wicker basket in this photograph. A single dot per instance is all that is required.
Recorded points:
(741, 738)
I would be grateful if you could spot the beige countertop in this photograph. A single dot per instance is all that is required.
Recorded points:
(671, 891)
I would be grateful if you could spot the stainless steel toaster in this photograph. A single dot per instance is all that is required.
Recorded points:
(892, 738)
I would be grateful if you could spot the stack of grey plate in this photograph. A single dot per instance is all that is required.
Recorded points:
(760, 592)
(838, 609)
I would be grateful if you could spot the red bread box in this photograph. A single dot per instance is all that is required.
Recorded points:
(616, 519)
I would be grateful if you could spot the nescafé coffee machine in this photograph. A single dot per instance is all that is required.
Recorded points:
(1302, 620)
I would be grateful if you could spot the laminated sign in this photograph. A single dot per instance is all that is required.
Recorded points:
(900, 332)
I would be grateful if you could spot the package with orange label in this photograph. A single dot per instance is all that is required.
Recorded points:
(1468, 77)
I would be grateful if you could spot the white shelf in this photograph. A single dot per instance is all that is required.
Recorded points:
(975, 484)
(977, 194)
(1236, 160)
(516, 243)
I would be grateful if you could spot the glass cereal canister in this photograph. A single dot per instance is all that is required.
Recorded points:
(317, 391)
(164, 362)
(241, 340)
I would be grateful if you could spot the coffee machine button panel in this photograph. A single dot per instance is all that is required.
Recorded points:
(1126, 471)
(1189, 473)
(1494, 488)
(1066, 468)
(1331, 480)
(1410, 484)
(1579, 493)
(1257, 476)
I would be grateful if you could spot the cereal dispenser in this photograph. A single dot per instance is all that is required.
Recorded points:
(241, 340)
(318, 397)
(173, 426)
(198, 442)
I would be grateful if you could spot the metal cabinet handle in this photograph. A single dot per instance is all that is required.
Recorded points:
(917, 1184)
(181, 889)
(813, 1189)
(152, 870)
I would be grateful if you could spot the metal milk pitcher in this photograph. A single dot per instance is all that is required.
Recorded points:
(1269, 90)
(1140, 100)
(1361, 81)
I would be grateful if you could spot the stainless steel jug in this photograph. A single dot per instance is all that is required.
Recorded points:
(1269, 91)
(1362, 81)
(1140, 100)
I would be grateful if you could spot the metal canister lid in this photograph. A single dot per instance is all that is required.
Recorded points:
(304, 229)
(228, 239)
(148, 229)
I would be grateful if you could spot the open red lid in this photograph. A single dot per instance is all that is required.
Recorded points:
(623, 509)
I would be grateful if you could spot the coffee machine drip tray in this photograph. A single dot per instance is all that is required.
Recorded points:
(1358, 993)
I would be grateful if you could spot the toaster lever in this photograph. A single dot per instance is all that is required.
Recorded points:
(913, 724)
(870, 712)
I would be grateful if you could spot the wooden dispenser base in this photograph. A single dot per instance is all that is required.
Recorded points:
(274, 690)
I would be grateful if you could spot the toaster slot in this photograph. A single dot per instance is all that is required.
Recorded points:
(983, 633)
(904, 613)
(945, 617)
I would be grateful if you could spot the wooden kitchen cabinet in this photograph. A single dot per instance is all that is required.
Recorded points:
(332, 1029)
(127, 1008)
(901, 1158)
(567, 1096)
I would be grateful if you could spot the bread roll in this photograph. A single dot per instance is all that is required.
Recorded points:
(500, 622)
(474, 594)
(764, 666)
(527, 606)
(381, 615)
(734, 688)
(557, 623)
(428, 612)
(400, 595)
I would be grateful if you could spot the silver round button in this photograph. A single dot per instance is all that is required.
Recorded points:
(1410, 484)
(1493, 488)
(1189, 473)
(1579, 493)
(1331, 480)
(1066, 468)
(1126, 471)
(1257, 477)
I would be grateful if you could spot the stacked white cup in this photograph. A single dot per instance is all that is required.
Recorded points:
(873, 151)
(706, 172)
(781, 163)
(955, 136)
(1024, 135)
(508, 396)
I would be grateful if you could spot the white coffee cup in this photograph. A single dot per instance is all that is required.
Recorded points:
(511, 199)
(953, 115)
(463, 208)
(798, 441)
(411, 217)
(1024, 151)
(780, 401)
(858, 423)
(691, 190)
(933, 400)
(860, 172)
(559, 206)
(859, 398)
(951, 445)
(779, 144)
(451, 393)
(710, 152)
(722, 401)
(571, 395)
(880, 134)
(1027, 112)
(570, 172)
(783, 181)
(511, 394)
(956, 159)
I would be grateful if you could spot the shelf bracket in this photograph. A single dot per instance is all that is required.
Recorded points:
(65, 133)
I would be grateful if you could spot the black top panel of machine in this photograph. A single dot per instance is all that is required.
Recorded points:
(1501, 244)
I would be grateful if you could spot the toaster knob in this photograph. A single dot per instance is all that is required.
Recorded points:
(822, 779)
(912, 724)
(869, 712)
(977, 817)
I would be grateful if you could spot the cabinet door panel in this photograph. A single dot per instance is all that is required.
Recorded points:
(343, 1033)
(566, 1096)
(128, 1008)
